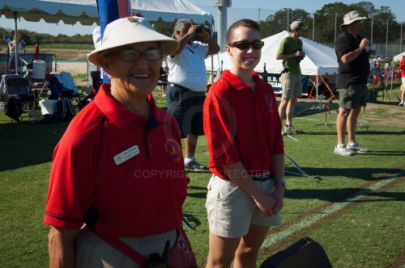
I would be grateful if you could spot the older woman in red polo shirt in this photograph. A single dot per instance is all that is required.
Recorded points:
(117, 181)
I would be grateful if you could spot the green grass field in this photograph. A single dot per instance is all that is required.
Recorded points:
(367, 231)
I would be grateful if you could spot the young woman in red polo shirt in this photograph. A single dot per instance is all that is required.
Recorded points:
(243, 129)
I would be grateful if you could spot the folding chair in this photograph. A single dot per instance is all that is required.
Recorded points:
(15, 89)
(62, 90)
(61, 85)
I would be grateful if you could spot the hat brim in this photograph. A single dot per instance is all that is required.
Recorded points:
(354, 20)
(129, 31)
(96, 56)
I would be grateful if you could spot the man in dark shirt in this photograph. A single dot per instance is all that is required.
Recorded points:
(351, 82)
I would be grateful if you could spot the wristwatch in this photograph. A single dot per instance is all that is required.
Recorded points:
(281, 182)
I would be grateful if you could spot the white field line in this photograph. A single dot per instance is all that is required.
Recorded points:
(311, 219)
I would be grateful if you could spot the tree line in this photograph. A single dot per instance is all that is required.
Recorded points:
(30, 38)
(324, 21)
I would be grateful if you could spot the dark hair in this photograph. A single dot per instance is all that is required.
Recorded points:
(243, 22)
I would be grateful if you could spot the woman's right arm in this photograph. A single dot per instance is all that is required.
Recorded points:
(61, 247)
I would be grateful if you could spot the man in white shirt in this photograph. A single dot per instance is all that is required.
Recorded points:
(15, 45)
(187, 83)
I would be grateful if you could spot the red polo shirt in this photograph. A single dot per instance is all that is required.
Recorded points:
(128, 167)
(242, 125)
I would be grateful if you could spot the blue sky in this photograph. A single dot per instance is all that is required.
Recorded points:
(240, 8)
(397, 6)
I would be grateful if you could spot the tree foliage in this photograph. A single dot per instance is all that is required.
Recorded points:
(327, 19)
(330, 17)
(30, 38)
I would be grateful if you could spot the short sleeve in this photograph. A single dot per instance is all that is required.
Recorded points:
(342, 47)
(71, 184)
(220, 129)
(281, 47)
(202, 49)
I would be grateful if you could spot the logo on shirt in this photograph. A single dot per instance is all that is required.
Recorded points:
(173, 149)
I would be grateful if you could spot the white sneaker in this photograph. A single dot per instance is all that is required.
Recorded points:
(356, 148)
(343, 151)
(401, 103)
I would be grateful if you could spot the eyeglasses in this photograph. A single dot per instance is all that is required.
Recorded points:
(243, 45)
(132, 55)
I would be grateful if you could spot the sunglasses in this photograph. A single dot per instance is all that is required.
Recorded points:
(132, 55)
(243, 45)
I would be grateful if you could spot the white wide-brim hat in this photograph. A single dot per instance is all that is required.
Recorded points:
(351, 17)
(128, 31)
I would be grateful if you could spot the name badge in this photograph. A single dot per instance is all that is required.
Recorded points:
(126, 155)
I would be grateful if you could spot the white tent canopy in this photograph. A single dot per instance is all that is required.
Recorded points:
(319, 60)
(399, 56)
(85, 11)
(69, 12)
(171, 10)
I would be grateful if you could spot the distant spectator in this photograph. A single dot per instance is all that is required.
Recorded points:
(37, 53)
(378, 74)
(351, 81)
(7, 40)
(17, 44)
(402, 67)
(187, 84)
(290, 51)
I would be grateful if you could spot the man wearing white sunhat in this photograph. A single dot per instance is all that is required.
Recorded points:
(351, 82)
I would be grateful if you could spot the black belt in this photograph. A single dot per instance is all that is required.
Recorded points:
(177, 85)
(263, 177)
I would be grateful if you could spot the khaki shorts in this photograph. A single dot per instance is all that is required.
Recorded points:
(291, 86)
(231, 211)
(94, 252)
(353, 97)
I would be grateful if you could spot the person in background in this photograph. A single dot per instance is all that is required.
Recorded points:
(15, 45)
(246, 154)
(7, 39)
(290, 51)
(351, 82)
(117, 179)
(402, 68)
(187, 83)
(378, 76)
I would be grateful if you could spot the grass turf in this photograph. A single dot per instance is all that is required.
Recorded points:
(369, 233)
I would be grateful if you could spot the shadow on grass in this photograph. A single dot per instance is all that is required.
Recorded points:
(340, 195)
(358, 132)
(26, 143)
(364, 173)
(199, 194)
(315, 107)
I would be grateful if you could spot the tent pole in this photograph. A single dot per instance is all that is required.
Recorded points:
(16, 43)
(332, 96)
(317, 87)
